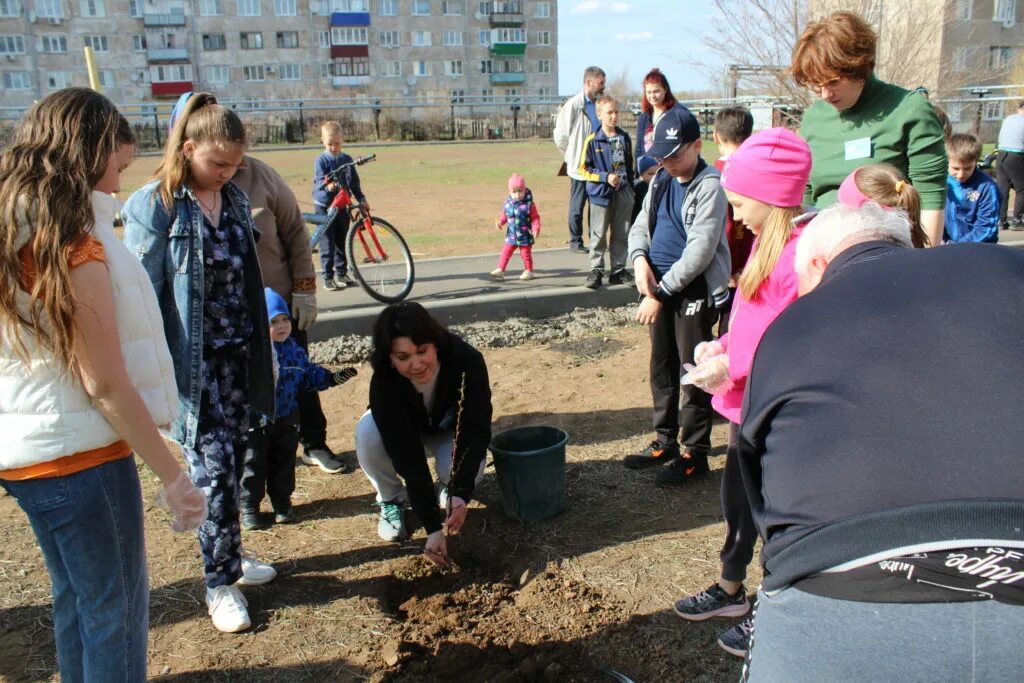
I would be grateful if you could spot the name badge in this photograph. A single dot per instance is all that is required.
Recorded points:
(858, 149)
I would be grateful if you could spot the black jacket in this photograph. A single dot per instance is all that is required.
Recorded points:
(401, 417)
(882, 409)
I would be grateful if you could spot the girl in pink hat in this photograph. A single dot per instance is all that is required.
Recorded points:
(764, 181)
(885, 185)
(521, 222)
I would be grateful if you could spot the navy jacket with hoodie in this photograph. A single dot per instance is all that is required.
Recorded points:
(324, 164)
(972, 209)
(596, 164)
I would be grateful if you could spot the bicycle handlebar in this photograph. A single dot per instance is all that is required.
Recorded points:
(333, 175)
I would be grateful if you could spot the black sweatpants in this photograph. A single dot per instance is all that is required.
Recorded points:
(312, 423)
(740, 530)
(270, 464)
(685, 320)
(1010, 173)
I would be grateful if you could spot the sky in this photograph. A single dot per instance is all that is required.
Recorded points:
(635, 35)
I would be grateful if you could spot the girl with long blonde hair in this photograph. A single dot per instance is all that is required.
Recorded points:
(85, 378)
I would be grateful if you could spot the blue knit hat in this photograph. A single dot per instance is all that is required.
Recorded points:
(644, 164)
(275, 304)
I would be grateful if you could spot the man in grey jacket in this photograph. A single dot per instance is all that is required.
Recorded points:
(576, 120)
(680, 254)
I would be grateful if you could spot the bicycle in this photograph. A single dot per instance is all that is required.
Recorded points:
(384, 267)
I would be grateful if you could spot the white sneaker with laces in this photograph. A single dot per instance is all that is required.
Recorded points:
(324, 459)
(527, 275)
(254, 572)
(228, 608)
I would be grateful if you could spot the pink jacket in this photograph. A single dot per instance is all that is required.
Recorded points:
(749, 320)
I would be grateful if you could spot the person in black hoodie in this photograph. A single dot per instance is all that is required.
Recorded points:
(429, 391)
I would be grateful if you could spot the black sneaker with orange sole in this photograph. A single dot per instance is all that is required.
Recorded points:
(683, 470)
(656, 453)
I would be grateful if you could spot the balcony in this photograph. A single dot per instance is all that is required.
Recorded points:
(508, 79)
(172, 88)
(349, 81)
(350, 19)
(499, 19)
(167, 54)
(508, 49)
(158, 20)
(347, 51)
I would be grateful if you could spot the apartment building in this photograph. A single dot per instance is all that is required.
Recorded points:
(258, 50)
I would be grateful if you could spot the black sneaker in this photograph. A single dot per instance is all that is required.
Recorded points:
(330, 285)
(683, 469)
(619, 277)
(713, 602)
(344, 281)
(285, 516)
(736, 641)
(656, 453)
(1016, 224)
(593, 280)
(251, 520)
(578, 249)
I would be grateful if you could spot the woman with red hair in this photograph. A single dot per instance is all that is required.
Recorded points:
(657, 100)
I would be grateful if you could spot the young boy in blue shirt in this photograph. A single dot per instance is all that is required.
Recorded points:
(972, 197)
(333, 263)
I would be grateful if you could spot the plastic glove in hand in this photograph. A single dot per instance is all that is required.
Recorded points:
(185, 503)
(706, 350)
(344, 375)
(712, 375)
(304, 309)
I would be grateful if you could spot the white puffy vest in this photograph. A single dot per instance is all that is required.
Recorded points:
(45, 413)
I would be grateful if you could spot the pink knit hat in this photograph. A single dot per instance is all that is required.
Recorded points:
(772, 166)
(516, 182)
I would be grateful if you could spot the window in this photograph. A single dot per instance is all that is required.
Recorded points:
(93, 8)
(1005, 11)
(12, 45)
(509, 35)
(543, 10)
(512, 95)
(254, 73)
(249, 8)
(487, 95)
(135, 8)
(510, 66)
(998, 57)
(544, 93)
(484, 38)
(544, 66)
(961, 57)
(251, 41)
(963, 9)
(287, 39)
(389, 38)
(355, 66)
(485, 8)
(167, 40)
(218, 74)
(420, 69)
(421, 38)
(59, 44)
(289, 72)
(211, 8)
(214, 41)
(452, 38)
(323, 39)
(992, 111)
(453, 67)
(350, 6)
(107, 79)
(285, 8)
(457, 96)
(420, 8)
(387, 8)
(17, 80)
(389, 69)
(349, 35)
(170, 73)
(543, 37)
(55, 80)
(452, 9)
(9, 8)
(49, 9)
(97, 43)
(486, 66)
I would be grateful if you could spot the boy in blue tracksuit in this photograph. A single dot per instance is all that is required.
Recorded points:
(333, 263)
(270, 457)
(607, 165)
(972, 197)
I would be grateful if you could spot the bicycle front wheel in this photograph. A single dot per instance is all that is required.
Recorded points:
(380, 260)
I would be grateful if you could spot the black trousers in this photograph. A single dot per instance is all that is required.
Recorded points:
(1010, 174)
(740, 530)
(270, 464)
(312, 423)
(685, 320)
(577, 202)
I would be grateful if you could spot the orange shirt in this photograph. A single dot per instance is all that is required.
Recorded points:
(86, 250)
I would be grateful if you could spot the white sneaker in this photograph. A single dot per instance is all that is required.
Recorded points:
(324, 459)
(498, 275)
(527, 275)
(392, 521)
(254, 572)
(228, 608)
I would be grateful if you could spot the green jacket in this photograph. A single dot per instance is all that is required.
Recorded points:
(903, 131)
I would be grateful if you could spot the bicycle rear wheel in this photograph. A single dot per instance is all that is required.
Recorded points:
(380, 260)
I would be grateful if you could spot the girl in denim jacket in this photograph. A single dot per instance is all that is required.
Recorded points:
(194, 232)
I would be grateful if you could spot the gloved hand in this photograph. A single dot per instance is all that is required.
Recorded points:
(304, 309)
(344, 375)
(706, 350)
(185, 503)
(712, 375)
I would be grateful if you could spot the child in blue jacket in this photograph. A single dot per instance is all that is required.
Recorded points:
(972, 197)
(333, 263)
(270, 457)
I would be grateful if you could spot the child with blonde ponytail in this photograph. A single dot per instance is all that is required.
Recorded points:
(885, 185)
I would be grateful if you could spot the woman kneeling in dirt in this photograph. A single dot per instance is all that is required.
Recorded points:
(429, 391)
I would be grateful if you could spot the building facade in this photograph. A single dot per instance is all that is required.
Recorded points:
(462, 51)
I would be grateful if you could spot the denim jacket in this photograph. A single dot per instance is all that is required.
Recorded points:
(170, 246)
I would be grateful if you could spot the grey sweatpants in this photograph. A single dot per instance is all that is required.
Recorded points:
(799, 637)
(614, 220)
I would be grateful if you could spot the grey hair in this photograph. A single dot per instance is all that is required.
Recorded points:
(840, 227)
(594, 72)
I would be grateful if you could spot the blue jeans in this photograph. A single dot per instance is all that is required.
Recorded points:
(332, 245)
(89, 527)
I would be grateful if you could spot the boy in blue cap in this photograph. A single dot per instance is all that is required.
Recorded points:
(270, 457)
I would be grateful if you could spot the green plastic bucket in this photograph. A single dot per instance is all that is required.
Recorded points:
(530, 462)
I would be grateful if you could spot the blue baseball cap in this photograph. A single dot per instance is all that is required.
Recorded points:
(675, 128)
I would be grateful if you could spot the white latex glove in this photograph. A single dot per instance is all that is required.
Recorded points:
(706, 350)
(712, 375)
(304, 309)
(185, 503)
